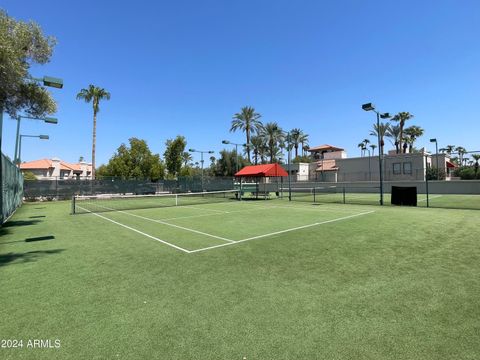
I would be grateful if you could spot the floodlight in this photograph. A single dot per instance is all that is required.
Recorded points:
(368, 107)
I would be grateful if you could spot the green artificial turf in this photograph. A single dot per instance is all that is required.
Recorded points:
(397, 283)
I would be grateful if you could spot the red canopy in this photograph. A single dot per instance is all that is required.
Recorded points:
(262, 171)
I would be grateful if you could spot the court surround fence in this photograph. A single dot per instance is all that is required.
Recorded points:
(62, 189)
(11, 192)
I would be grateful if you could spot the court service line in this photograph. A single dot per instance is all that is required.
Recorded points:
(168, 224)
(283, 231)
(223, 213)
(178, 227)
(138, 231)
(205, 209)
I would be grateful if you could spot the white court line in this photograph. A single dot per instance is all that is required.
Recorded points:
(138, 231)
(177, 226)
(168, 224)
(431, 197)
(223, 213)
(282, 231)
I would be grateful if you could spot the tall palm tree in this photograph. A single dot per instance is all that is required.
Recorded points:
(401, 117)
(393, 132)
(94, 94)
(373, 147)
(413, 132)
(258, 143)
(461, 151)
(274, 136)
(381, 130)
(303, 139)
(248, 121)
(295, 139)
(362, 148)
(449, 149)
(476, 157)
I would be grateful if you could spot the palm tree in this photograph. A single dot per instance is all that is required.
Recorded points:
(186, 158)
(274, 136)
(362, 148)
(401, 117)
(94, 94)
(373, 147)
(461, 151)
(248, 121)
(449, 149)
(382, 130)
(413, 132)
(295, 139)
(303, 139)
(476, 157)
(393, 132)
(258, 143)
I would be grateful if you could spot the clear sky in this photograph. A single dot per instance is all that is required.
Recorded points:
(185, 67)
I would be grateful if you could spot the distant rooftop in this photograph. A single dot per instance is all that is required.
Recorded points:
(325, 147)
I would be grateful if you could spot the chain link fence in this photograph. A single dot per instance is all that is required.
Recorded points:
(12, 189)
(61, 189)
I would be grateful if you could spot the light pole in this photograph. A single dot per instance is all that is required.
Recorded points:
(48, 120)
(289, 155)
(227, 142)
(41, 137)
(371, 107)
(436, 155)
(201, 158)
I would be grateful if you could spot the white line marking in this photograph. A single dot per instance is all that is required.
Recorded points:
(178, 226)
(138, 231)
(204, 215)
(431, 197)
(283, 231)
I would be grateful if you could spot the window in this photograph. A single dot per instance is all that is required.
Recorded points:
(397, 168)
(407, 168)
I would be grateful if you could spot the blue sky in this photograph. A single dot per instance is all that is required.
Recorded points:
(185, 67)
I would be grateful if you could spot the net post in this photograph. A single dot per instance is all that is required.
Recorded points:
(343, 190)
(314, 195)
(176, 199)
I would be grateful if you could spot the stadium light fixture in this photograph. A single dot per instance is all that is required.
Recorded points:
(201, 158)
(47, 120)
(371, 107)
(41, 137)
(228, 142)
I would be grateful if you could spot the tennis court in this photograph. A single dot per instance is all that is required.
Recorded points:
(194, 223)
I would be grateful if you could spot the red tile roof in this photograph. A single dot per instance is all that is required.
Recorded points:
(325, 147)
(262, 170)
(37, 164)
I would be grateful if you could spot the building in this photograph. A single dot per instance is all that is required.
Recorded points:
(331, 164)
(53, 169)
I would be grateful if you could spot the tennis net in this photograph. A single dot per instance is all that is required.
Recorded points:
(103, 203)
(315, 194)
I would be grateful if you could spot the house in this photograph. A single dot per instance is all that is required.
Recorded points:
(52, 169)
(331, 164)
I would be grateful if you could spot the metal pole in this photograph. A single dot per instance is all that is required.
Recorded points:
(369, 167)
(426, 182)
(20, 150)
(17, 138)
(236, 158)
(289, 170)
(380, 167)
(436, 155)
(201, 160)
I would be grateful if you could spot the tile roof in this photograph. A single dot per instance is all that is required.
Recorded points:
(325, 147)
(37, 164)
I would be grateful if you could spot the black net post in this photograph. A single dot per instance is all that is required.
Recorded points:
(343, 191)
